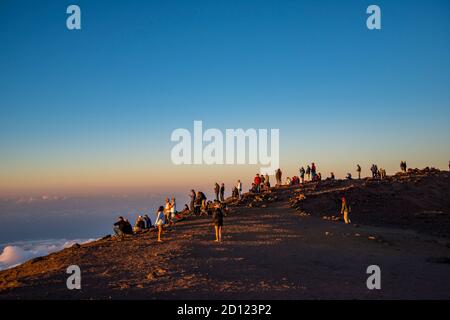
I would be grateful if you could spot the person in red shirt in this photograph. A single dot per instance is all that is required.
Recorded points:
(257, 182)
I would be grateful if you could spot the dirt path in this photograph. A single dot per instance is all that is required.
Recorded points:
(267, 253)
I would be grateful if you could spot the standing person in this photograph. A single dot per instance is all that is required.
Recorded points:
(217, 190)
(345, 210)
(222, 192)
(302, 175)
(373, 169)
(239, 187)
(358, 169)
(148, 222)
(308, 172)
(257, 182)
(173, 210)
(167, 207)
(192, 203)
(278, 176)
(267, 181)
(160, 221)
(218, 221)
(313, 171)
(198, 203)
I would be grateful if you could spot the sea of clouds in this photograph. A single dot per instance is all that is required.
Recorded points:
(19, 252)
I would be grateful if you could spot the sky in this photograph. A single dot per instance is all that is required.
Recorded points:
(91, 111)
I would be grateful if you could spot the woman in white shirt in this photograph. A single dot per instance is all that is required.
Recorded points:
(160, 221)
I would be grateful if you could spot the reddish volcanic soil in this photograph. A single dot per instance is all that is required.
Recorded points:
(275, 247)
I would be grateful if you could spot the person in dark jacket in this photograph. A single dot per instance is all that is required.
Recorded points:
(217, 190)
(218, 221)
(122, 227)
(119, 227)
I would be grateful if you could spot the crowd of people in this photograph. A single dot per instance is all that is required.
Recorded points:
(199, 205)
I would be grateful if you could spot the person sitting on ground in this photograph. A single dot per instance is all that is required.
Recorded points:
(278, 175)
(253, 189)
(139, 225)
(160, 221)
(358, 169)
(186, 210)
(218, 221)
(192, 202)
(119, 227)
(349, 176)
(345, 209)
(288, 181)
(239, 187)
(216, 190)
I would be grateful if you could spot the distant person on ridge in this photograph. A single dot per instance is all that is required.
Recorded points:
(308, 172)
(139, 225)
(222, 192)
(358, 169)
(302, 175)
(216, 190)
(239, 187)
(192, 202)
(345, 210)
(218, 221)
(278, 176)
(160, 221)
(148, 222)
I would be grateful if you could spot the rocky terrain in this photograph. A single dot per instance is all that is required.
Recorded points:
(287, 243)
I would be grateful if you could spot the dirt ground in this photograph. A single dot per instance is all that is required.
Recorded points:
(273, 251)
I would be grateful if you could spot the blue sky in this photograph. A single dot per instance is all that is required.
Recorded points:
(106, 98)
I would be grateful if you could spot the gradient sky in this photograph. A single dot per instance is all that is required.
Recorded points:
(92, 111)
